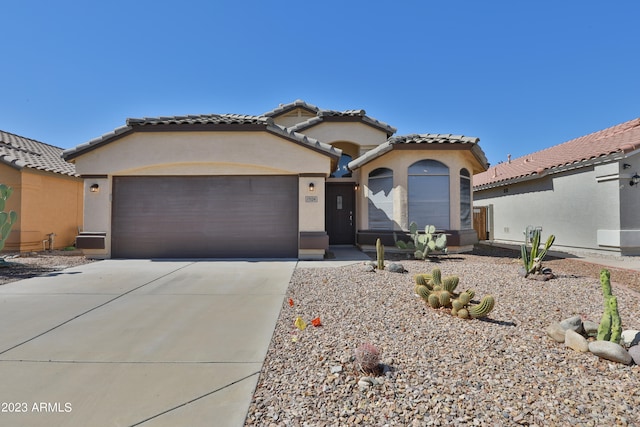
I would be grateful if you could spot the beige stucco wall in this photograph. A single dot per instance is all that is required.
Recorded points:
(399, 161)
(45, 203)
(365, 136)
(201, 153)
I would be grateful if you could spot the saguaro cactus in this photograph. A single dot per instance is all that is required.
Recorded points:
(6, 219)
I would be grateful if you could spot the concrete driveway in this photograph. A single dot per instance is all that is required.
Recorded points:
(138, 342)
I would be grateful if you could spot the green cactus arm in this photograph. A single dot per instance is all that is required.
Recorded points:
(423, 292)
(429, 229)
(604, 329)
(525, 259)
(481, 310)
(450, 283)
(434, 300)
(547, 245)
(441, 242)
(413, 228)
(605, 282)
(436, 276)
(616, 323)
(418, 254)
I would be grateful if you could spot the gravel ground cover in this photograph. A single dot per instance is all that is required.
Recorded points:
(440, 370)
(24, 266)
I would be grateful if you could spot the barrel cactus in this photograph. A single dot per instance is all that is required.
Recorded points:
(439, 292)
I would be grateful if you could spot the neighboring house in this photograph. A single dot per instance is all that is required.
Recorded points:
(47, 194)
(584, 191)
(287, 183)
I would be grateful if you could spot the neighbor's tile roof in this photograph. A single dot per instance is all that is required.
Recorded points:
(428, 138)
(20, 152)
(321, 115)
(616, 140)
(204, 119)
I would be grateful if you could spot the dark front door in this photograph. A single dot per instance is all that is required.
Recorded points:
(340, 215)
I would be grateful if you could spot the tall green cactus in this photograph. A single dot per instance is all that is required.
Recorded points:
(610, 328)
(380, 254)
(6, 219)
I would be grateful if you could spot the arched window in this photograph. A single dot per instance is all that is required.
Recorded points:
(429, 194)
(465, 199)
(342, 171)
(380, 199)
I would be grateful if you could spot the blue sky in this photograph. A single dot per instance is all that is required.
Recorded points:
(521, 76)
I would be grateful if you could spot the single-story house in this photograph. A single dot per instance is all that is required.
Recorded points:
(585, 191)
(47, 194)
(287, 183)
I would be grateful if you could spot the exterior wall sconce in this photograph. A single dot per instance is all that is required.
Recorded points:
(312, 187)
(356, 187)
(626, 166)
(635, 179)
(94, 188)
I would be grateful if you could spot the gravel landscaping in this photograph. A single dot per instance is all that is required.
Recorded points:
(439, 370)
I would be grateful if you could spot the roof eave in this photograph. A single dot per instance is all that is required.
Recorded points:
(541, 173)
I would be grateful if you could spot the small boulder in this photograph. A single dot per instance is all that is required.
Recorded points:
(556, 332)
(396, 268)
(630, 338)
(590, 328)
(610, 351)
(576, 341)
(368, 268)
(574, 323)
(634, 352)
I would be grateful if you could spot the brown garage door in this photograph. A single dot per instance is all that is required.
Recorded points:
(205, 217)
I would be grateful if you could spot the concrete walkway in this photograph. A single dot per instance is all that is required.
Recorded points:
(138, 342)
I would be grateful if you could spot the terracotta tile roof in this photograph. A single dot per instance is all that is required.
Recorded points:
(427, 139)
(20, 152)
(201, 119)
(602, 145)
(298, 103)
(322, 115)
(233, 120)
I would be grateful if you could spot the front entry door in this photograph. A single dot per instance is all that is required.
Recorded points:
(340, 213)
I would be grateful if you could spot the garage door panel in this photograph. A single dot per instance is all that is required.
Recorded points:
(221, 217)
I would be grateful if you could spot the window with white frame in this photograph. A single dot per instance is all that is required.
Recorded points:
(428, 194)
(380, 199)
(465, 199)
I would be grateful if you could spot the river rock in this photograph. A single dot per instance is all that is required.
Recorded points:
(396, 268)
(634, 352)
(576, 341)
(610, 351)
(630, 338)
(574, 323)
(590, 328)
(556, 332)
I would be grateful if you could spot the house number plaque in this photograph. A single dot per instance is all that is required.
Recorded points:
(311, 199)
